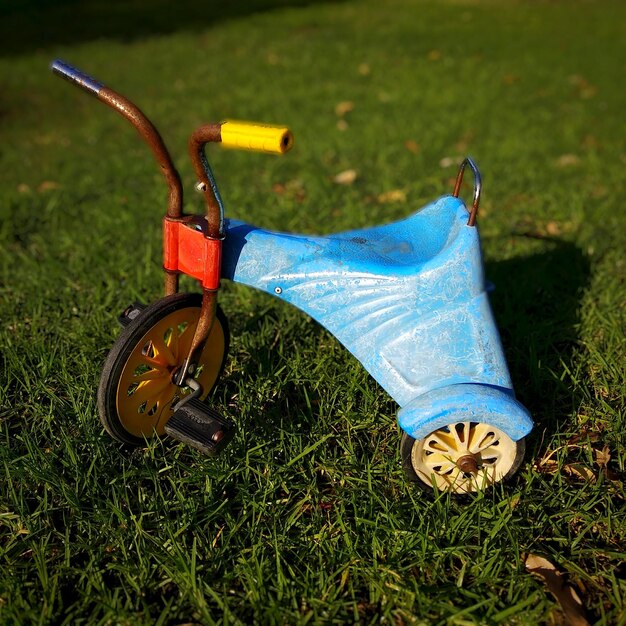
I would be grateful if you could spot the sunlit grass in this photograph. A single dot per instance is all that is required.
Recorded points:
(307, 518)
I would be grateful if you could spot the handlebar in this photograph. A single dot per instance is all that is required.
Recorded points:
(242, 135)
(137, 118)
(77, 77)
(257, 137)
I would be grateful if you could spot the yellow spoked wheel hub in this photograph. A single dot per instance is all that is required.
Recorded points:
(146, 392)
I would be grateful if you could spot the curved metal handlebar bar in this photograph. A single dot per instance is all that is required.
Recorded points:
(77, 77)
(143, 125)
(477, 187)
(242, 135)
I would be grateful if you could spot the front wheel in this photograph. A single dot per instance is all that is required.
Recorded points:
(461, 458)
(136, 391)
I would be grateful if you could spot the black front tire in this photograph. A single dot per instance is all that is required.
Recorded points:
(136, 389)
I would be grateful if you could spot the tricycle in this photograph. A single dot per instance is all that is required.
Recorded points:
(408, 299)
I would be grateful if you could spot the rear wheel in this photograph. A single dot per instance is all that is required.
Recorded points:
(136, 391)
(461, 458)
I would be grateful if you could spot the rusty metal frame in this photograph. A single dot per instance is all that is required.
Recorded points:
(210, 133)
(215, 210)
(477, 187)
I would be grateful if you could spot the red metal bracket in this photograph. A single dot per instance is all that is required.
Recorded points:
(188, 250)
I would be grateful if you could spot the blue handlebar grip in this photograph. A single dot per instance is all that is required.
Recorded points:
(76, 76)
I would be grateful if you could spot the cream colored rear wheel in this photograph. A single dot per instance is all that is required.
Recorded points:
(461, 458)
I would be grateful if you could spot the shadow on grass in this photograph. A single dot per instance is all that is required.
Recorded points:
(33, 25)
(537, 305)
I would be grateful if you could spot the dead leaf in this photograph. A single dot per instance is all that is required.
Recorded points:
(434, 55)
(584, 88)
(23, 188)
(553, 228)
(578, 470)
(585, 435)
(342, 125)
(567, 160)
(364, 69)
(48, 185)
(447, 162)
(590, 142)
(565, 594)
(514, 501)
(412, 146)
(575, 469)
(394, 195)
(510, 79)
(602, 457)
(547, 466)
(347, 177)
(344, 107)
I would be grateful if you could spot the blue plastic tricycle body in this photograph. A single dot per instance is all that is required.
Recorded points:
(407, 299)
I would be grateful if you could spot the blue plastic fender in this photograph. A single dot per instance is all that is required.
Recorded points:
(465, 403)
(406, 298)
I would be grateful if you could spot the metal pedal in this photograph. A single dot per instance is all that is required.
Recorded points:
(201, 427)
(130, 313)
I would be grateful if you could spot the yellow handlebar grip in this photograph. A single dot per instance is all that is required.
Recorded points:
(257, 137)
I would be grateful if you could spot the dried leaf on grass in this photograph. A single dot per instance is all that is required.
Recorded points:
(602, 457)
(394, 195)
(566, 160)
(578, 470)
(565, 594)
(292, 188)
(553, 228)
(412, 146)
(347, 177)
(344, 107)
(48, 185)
(584, 89)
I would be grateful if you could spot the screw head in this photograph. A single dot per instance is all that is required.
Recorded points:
(468, 464)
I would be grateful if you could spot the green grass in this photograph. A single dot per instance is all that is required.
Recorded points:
(307, 518)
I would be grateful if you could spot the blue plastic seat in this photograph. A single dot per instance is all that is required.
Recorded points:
(399, 247)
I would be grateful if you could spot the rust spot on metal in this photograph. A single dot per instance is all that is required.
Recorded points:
(152, 137)
(201, 334)
(209, 133)
(171, 283)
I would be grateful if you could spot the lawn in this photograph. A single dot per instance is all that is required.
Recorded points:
(307, 517)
